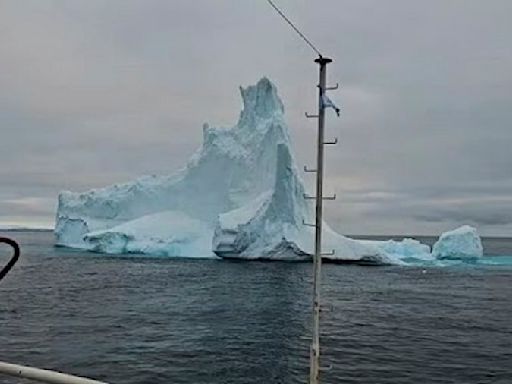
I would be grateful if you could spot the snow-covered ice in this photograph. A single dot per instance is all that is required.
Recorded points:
(461, 243)
(239, 196)
(167, 233)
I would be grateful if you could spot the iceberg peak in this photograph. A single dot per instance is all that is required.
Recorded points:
(260, 101)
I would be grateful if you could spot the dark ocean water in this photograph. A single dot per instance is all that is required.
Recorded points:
(149, 320)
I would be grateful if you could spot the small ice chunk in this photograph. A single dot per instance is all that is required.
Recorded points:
(461, 243)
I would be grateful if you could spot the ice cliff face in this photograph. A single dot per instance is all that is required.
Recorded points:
(239, 196)
(267, 227)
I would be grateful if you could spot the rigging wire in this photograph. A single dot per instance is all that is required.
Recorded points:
(294, 28)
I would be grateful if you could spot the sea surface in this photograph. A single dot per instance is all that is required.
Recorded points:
(154, 320)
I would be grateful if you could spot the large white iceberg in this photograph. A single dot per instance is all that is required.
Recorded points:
(239, 196)
(232, 167)
(461, 243)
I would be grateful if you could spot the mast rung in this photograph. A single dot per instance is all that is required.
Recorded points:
(332, 253)
(333, 142)
(333, 197)
(324, 369)
(334, 87)
(308, 224)
(310, 116)
(308, 197)
(306, 169)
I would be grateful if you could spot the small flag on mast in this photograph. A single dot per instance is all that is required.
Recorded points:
(327, 103)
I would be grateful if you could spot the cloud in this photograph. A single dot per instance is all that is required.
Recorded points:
(32, 206)
(103, 91)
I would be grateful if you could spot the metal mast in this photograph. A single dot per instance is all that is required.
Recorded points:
(323, 102)
(317, 260)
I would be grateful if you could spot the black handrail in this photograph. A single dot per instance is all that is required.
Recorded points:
(14, 257)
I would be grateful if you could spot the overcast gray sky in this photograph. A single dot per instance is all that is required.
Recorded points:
(96, 92)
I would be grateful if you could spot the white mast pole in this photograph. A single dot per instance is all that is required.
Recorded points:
(317, 261)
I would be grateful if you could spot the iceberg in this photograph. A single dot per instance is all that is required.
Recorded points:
(232, 167)
(239, 196)
(461, 243)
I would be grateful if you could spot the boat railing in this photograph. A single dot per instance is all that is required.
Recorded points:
(43, 375)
